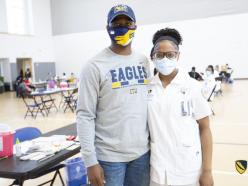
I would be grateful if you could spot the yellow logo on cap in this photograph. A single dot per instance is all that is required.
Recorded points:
(120, 8)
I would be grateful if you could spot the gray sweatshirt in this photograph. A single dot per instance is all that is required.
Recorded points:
(112, 108)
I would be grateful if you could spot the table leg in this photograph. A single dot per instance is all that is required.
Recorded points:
(21, 181)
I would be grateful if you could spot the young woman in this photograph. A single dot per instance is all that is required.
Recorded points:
(178, 116)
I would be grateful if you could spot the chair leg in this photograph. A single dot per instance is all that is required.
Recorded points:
(26, 114)
(32, 112)
(61, 100)
(29, 111)
(71, 107)
(66, 106)
(36, 114)
(54, 105)
(40, 111)
(42, 107)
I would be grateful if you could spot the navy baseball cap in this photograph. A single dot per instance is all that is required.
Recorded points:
(120, 10)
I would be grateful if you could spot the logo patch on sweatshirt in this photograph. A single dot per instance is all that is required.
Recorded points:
(128, 76)
(133, 91)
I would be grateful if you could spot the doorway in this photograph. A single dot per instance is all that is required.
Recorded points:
(24, 64)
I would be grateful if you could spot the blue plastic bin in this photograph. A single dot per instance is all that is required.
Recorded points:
(76, 174)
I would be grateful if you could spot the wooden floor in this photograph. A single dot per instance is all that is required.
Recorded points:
(229, 128)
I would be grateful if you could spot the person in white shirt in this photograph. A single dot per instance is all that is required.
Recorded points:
(178, 118)
(64, 77)
(209, 82)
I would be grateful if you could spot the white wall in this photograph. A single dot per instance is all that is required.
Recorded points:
(217, 40)
(3, 18)
(89, 15)
(72, 51)
(39, 47)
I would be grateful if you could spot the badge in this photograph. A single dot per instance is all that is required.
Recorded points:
(241, 166)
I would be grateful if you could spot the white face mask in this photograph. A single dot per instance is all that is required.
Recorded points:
(208, 73)
(165, 66)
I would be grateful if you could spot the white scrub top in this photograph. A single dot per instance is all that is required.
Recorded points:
(175, 139)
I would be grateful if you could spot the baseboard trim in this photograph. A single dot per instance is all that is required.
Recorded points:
(240, 78)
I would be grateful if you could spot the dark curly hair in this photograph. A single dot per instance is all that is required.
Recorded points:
(168, 32)
(151, 53)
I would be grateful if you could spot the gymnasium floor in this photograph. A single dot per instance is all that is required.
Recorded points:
(229, 128)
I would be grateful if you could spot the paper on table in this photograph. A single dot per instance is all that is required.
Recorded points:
(30, 156)
(66, 144)
(72, 147)
(43, 146)
(50, 138)
(59, 137)
(36, 158)
(36, 155)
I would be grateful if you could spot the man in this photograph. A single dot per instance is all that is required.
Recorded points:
(72, 78)
(28, 74)
(194, 74)
(112, 108)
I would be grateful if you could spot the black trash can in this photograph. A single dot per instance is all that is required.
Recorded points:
(7, 86)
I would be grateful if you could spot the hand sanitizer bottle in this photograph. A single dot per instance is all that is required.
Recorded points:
(18, 148)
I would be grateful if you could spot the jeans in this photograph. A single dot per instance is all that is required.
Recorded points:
(156, 184)
(133, 173)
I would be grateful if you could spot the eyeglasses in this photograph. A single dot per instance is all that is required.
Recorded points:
(168, 55)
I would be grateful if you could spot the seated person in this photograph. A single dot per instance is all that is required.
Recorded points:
(225, 73)
(209, 81)
(72, 79)
(229, 72)
(64, 77)
(63, 84)
(217, 73)
(52, 83)
(49, 76)
(28, 83)
(194, 74)
(23, 88)
(28, 74)
(18, 81)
